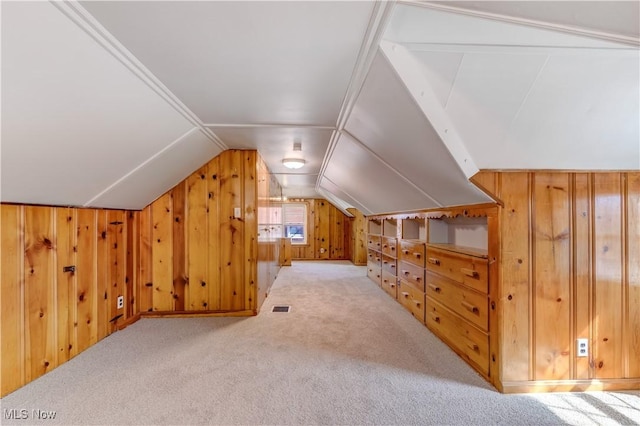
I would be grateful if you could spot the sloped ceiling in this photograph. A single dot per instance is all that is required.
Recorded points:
(109, 104)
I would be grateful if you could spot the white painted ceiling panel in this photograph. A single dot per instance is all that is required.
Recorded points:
(246, 62)
(441, 69)
(415, 24)
(356, 171)
(387, 120)
(328, 187)
(298, 185)
(75, 119)
(615, 17)
(583, 113)
(160, 173)
(489, 90)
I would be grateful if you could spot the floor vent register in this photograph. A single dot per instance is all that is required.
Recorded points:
(281, 308)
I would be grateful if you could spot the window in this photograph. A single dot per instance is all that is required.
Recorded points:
(294, 218)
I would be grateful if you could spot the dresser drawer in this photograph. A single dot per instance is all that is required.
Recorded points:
(373, 242)
(412, 274)
(469, 304)
(374, 271)
(389, 246)
(389, 284)
(469, 270)
(389, 264)
(471, 343)
(374, 257)
(412, 299)
(412, 252)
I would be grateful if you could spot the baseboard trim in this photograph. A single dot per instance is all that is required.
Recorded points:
(187, 314)
(570, 385)
(127, 322)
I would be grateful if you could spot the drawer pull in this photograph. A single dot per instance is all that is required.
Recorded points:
(385, 280)
(417, 254)
(418, 278)
(417, 302)
(469, 307)
(470, 273)
(405, 294)
(385, 245)
(472, 346)
(405, 272)
(434, 261)
(393, 248)
(385, 262)
(392, 285)
(435, 317)
(393, 265)
(405, 251)
(378, 244)
(434, 288)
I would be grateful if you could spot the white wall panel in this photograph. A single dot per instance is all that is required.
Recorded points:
(389, 122)
(74, 119)
(160, 173)
(356, 171)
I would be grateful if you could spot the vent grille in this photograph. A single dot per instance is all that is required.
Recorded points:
(281, 308)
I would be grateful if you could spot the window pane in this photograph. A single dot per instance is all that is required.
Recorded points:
(295, 222)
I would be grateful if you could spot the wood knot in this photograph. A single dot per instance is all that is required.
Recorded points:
(158, 239)
(214, 177)
(46, 364)
(606, 339)
(204, 304)
(202, 283)
(520, 261)
(559, 299)
(41, 314)
(605, 249)
(600, 364)
(47, 243)
(177, 220)
(202, 176)
(88, 321)
(509, 297)
(81, 297)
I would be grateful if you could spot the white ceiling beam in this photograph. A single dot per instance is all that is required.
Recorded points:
(269, 126)
(410, 72)
(375, 30)
(580, 31)
(520, 49)
(85, 21)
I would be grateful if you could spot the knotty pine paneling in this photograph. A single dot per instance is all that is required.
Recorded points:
(65, 282)
(569, 250)
(632, 283)
(197, 241)
(551, 256)
(49, 315)
(358, 239)
(328, 228)
(198, 238)
(608, 254)
(12, 357)
(516, 277)
(162, 252)
(40, 297)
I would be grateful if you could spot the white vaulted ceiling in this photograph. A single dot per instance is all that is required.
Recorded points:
(110, 104)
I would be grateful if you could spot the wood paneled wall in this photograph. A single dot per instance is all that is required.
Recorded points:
(49, 315)
(328, 229)
(570, 269)
(358, 240)
(196, 253)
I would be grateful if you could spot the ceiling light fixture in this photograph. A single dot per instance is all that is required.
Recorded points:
(294, 162)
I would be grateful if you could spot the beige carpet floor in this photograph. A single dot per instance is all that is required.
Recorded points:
(346, 354)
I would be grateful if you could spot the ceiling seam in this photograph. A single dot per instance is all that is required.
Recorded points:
(347, 194)
(584, 32)
(377, 24)
(270, 125)
(443, 125)
(393, 169)
(87, 23)
(140, 166)
(526, 97)
(455, 79)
